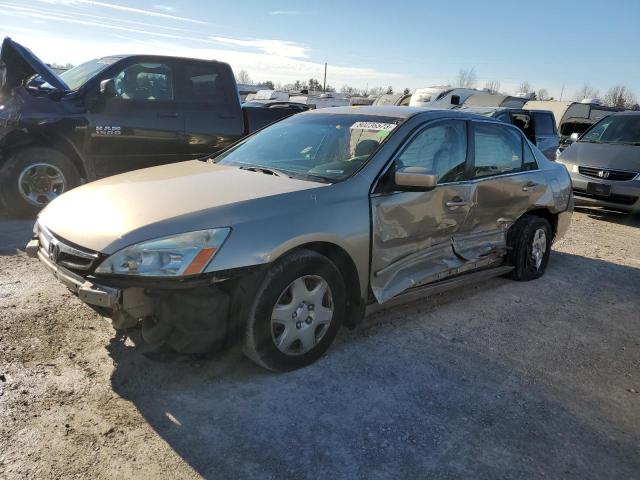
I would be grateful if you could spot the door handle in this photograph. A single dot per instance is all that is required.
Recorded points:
(168, 115)
(456, 202)
(529, 186)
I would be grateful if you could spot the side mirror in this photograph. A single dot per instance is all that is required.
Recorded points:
(573, 138)
(416, 178)
(108, 88)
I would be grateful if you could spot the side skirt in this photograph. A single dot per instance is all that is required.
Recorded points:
(424, 291)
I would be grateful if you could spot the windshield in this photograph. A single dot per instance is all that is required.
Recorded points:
(326, 147)
(78, 76)
(616, 129)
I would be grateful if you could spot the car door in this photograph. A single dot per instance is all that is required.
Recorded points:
(209, 101)
(412, 231)
(507, 184)
(547, 139)
(140, 124)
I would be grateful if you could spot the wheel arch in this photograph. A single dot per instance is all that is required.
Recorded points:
(18, 139)
(341, 258)
(545, 213)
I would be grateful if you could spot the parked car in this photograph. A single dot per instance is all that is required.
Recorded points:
(488, 99)
(307, 225)
(108, 116)
(604, 163)
(402, 99)
(572, 117)
(539, 126)
(441, 96)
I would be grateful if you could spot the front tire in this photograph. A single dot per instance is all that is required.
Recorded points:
(32, 177)
(529, 241)
(296, 313)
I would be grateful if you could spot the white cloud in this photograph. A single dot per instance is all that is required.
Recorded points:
(290, 13)
(261, 66)
(281, 48)
(165, 8)
(122, 8)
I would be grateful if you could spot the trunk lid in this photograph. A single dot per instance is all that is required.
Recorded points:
(18, 64)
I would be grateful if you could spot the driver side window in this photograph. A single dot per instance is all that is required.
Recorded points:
(145, 81)
(441, 149)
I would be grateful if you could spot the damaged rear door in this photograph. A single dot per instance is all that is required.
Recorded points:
(413, 231)
(508, 183)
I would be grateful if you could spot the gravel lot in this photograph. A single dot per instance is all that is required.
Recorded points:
(501, 380)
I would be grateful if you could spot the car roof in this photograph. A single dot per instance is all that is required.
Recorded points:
(159, 57)
(629, 113)
(395, 111)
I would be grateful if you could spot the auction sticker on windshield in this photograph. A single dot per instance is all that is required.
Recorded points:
(373, 126)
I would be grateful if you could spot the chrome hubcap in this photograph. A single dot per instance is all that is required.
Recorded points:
(40, 183)
(538, 247)
(302, 314)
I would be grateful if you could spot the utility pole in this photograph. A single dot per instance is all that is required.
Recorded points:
(561, 92)
(324, 85)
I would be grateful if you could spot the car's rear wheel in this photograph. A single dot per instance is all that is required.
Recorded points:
(33, 177)
(296, 313)
(529, 241)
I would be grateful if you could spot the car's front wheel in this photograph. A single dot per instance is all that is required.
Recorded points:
(529, 241)
(296, 312)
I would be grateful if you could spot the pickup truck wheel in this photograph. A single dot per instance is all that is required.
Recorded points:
(32, 177)
(297, 312)
(530, 247)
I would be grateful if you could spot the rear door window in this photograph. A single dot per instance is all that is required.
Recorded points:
(204, 82)
(498, 150)
(544, 123)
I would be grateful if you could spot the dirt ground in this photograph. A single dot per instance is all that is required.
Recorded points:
(501, 380)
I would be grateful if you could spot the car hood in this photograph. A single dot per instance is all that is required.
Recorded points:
(602, 155)
(154, 202)
(17, 64)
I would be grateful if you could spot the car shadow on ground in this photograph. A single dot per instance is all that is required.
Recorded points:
(620, 218)
(14, 234)
(422, 391)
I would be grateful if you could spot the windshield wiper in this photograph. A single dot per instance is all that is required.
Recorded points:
(268, 171)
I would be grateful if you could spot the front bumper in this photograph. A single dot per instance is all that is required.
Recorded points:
(96, 295)
(625, 195)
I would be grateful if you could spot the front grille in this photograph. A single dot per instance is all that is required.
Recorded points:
(613, 198)
(608, 174)
(62, 253)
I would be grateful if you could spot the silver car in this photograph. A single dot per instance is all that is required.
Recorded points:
(305, 226)
(604, 163)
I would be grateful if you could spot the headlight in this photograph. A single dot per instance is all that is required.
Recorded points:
(177, 255)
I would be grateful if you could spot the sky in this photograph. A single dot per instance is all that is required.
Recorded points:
(555, 45)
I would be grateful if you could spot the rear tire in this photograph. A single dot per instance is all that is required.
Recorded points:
(529, 241)
(296, 312)
(32, 177)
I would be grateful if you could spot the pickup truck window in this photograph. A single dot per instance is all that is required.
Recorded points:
(328, 147)
(441, 149)
(204, 84)
(145, 81)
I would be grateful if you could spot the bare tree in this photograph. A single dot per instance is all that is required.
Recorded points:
(243, 77)
(377, 91)
(349, 90)
(586, 91)
(492, 86)
(525, 87)
(467, 78)
(621, 97)
(543, 94)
